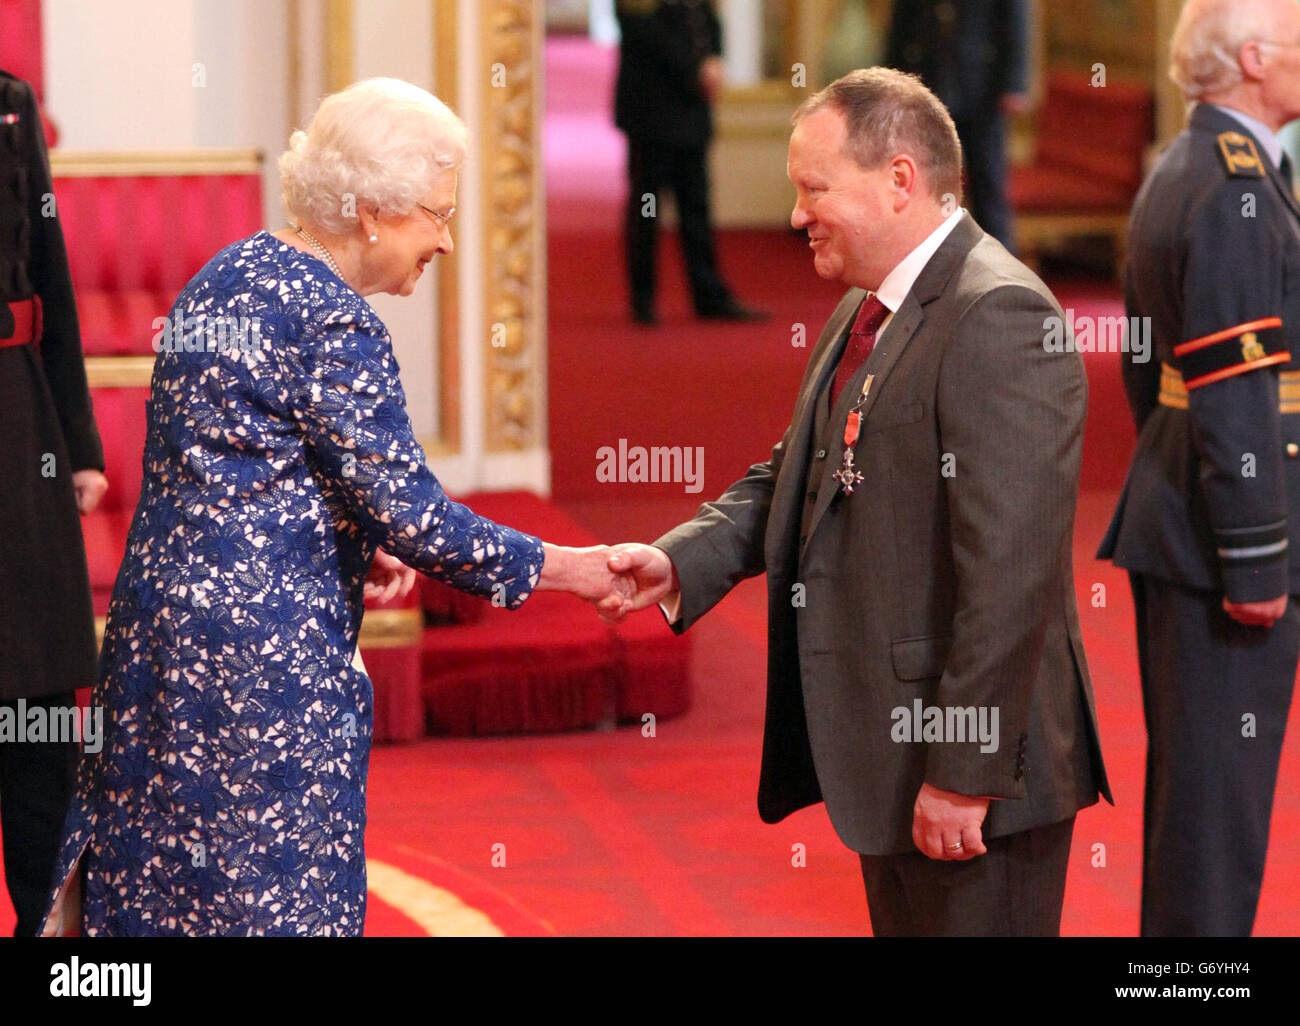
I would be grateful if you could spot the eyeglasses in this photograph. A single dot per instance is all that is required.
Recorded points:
(442, 219)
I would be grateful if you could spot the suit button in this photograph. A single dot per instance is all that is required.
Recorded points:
(821, 454)
(1292, 449)
(803, 539)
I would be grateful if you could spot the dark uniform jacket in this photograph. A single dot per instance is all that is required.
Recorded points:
(658, 97)
(969, 52)
(943, 590)
(47, 431)
(1213, 493)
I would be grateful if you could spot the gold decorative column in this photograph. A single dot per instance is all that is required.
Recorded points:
(513, 224)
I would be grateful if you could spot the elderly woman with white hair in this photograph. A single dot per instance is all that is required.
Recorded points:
(229, 794)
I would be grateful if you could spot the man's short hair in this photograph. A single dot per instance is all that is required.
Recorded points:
(888, 112)
(1207, 41)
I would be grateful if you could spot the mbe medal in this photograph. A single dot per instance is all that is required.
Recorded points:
(848, 476)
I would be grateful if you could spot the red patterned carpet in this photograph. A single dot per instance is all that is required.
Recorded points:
(614, 833)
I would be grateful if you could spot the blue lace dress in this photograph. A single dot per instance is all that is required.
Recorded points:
(229, 795)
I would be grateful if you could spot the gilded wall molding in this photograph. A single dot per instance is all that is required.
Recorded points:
(446, 76)
(339, 46)
(513, 212)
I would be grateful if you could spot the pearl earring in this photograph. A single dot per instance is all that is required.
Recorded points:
(374, 239)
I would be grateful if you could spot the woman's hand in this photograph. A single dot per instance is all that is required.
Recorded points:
(389, 578)
(585, 573)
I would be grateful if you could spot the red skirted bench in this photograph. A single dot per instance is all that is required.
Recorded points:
(1091, 140)
(549, 665)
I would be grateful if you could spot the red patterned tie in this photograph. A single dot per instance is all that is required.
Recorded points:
(871, 315)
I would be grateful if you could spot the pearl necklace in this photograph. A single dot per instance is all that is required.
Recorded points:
(320, 250)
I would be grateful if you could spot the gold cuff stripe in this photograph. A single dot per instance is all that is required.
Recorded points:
(1173, 391)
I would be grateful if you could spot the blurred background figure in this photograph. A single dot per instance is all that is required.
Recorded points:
(50, 462)
(670, 72)
(974, 55)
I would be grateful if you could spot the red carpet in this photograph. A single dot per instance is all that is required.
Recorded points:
(620, 834)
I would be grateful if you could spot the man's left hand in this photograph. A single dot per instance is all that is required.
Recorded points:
(1014, 104)
(90, 486)
(712, 76)
(947, 825)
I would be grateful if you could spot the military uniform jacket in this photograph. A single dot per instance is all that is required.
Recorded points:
(1212, 496)
(943, 581)
(969, 52)
(47, 431)
(658, 97)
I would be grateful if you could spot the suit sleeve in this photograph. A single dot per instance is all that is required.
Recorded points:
(61, 356)
(1013, 38)
(349, 404)
(1011, 418)
(1232, 347)
(723, 544)
(715, 30)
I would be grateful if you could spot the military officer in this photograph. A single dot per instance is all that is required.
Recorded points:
(669, 73)
(1211, 504)
(974, 55)
(50, 467)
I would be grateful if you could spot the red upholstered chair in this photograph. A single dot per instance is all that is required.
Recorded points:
(21, 54)
(137, 228)
(1088, 164)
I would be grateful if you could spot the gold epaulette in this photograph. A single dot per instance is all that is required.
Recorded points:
(1240, 156)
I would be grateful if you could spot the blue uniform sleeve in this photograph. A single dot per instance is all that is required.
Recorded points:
(349, 403)
(1228, 358)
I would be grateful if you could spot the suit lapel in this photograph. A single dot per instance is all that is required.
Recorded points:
(904, 325)
(794, 468)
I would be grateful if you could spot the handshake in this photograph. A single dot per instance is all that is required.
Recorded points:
(617, 580)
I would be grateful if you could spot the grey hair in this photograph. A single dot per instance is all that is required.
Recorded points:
(381, 142)
(1204, 54)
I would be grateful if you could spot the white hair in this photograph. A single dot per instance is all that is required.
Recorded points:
(1204, 57)
(382, 142)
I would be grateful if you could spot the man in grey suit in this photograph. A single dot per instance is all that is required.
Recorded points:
(926, 677)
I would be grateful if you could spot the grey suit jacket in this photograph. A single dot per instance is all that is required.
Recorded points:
(944, 580)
